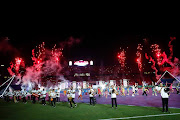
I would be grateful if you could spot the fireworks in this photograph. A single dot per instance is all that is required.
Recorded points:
(18, 63)
(14, 67)
(56, 53)
(38, 56)
(139, 59)
(157, 51)
(121, 58)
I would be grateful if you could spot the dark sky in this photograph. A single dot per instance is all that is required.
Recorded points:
(102, 47)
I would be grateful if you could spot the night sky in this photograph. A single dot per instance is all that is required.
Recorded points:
(101, 47)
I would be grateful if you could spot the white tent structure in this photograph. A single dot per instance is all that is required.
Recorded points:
(169, 74)
(10, 79)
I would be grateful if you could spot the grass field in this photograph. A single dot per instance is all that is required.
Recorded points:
(29, 111)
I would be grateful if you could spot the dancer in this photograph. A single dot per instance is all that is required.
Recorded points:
(128, 90)
(91, 96)
(58, 95)
(43, 93)
(136, 89)
(53, 98)
(113, 96)
(133, 90)
(24, 93)
(122, 90)
(177, 88)
(80, 94)
(106, 93)
(39, 93)
(14, 96)
(33, 92)
(49, 95)
(18, 94)
(153, 89)
(171, 88)
(144, 90)
(64, 92)
(99, 91)
(72, 92)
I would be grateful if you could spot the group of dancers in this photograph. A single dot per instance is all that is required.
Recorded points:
(53, 95)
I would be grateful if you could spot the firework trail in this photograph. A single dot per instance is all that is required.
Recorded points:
(153, 66)
(171, 47)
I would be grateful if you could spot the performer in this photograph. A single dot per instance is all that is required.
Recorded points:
(14, 96)
(64, 92)
(39, 93)
(91, 96)
(145, 90)
(133, 90)
(18, 95)
(72, 92)
(164, 95)
(171, 88)
(53, 98)
(113, 93)
(43, 94)
(177, 88)
(118, 89)
(49, 95)
(122, 90)
(136, 88)
(58, 95)
(33, 92)
(153, 89)
(80, 94)
(128, 90)
(106, 92)
(24, 94)
(99, 91)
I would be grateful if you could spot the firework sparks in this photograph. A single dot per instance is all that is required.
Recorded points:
(139, 59)
(121, 58)
(56, 53)
(18, 63)
(38, 56)
(155, 49)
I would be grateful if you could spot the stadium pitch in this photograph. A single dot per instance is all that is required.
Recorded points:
(62, 111)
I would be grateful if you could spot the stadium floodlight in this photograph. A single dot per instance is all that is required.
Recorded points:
(70, 63)
(91, 62)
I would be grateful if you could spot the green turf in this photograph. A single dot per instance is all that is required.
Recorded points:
(29, 111)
